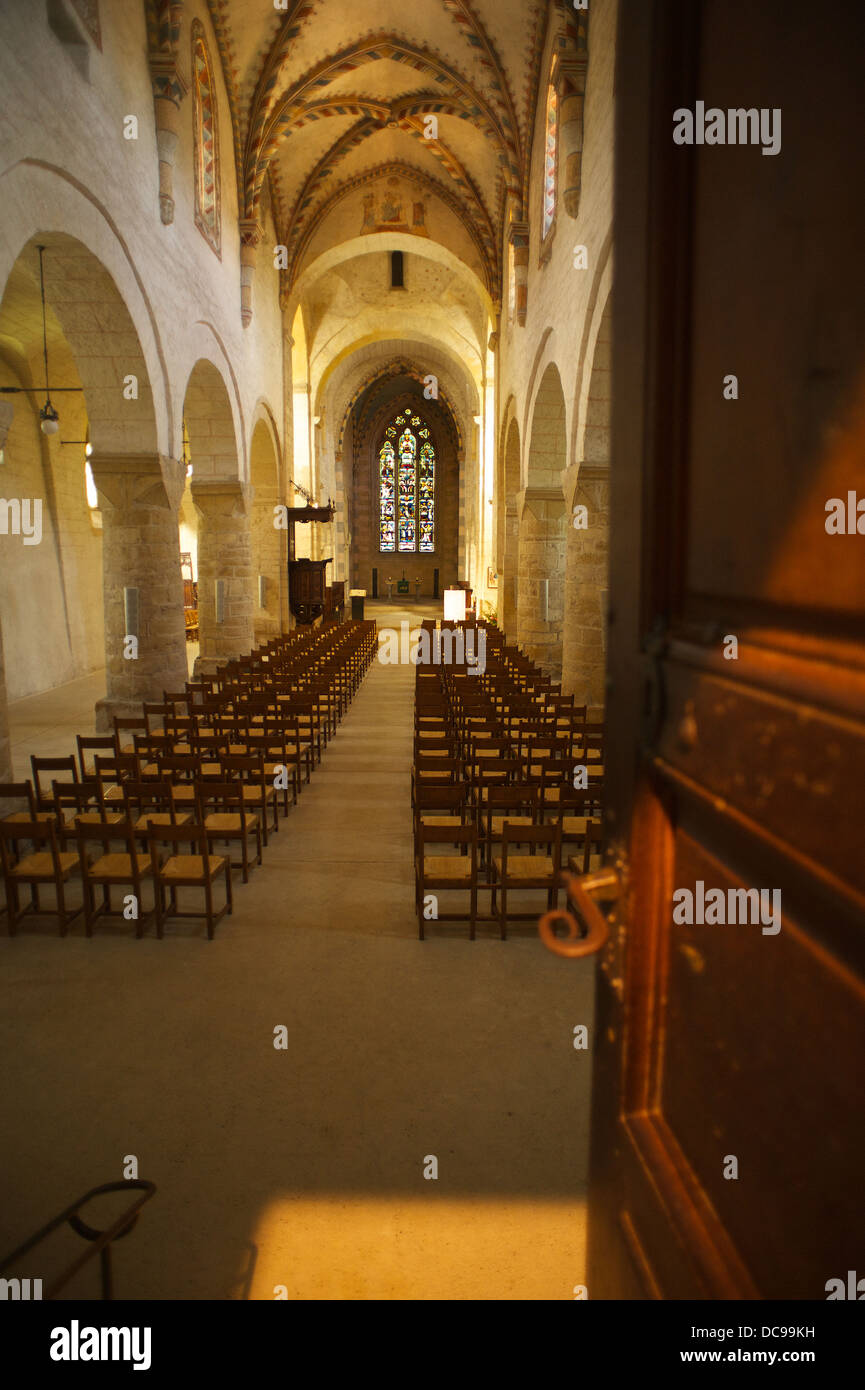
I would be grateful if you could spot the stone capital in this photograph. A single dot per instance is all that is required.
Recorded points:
(541, 501)
(138, 480)
(221, 497)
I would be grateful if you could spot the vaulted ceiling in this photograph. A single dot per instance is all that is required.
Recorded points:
(328, 98)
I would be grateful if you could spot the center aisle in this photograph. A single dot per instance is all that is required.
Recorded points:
(302, 1167)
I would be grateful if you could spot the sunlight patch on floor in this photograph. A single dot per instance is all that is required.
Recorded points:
(418, 1248)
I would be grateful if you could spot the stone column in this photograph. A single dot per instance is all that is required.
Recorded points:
(586, 584)
(224, 553)
(6, 412)
(139, 495)
(518, 236)
(250, 236)
(508, 584)
(269, 550)
(541, 574)
(5, 748)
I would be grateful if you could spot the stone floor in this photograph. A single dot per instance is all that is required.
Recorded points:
(302, 1169)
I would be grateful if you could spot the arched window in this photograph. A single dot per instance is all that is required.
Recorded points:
(206, 143)
(551, 150)
(406, 471)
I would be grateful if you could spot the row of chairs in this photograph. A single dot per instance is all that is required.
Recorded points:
(508, 775)
(205, 767)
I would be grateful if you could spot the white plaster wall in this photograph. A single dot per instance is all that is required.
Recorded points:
(565, 304)
(66, 167)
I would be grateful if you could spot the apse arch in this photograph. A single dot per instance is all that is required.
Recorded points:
(391, 405)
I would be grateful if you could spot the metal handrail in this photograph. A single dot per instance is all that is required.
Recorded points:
(101, 1240)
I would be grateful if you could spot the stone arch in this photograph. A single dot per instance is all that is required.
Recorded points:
(542, 534)
(222, 503)
(587, 559)
(95, 349)
(80, 223)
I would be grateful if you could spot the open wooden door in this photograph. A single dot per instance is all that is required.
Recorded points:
(736, 1047)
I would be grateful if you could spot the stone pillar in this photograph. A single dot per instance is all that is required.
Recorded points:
(508, 584)
(250, 235)
(269, 550)
(169, 88)
(586, 584)
(541, 575)
(5, 748)
(224, 552)
(139, 495)
(518, 236)
(6, 413)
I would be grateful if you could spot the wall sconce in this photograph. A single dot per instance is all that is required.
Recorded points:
(545, 600)
(262, 591)
(219, 600)
(130, 612)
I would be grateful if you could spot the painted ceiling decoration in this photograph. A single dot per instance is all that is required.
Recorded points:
(319, 103)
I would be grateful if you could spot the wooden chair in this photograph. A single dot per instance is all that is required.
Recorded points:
(38, 868)
(452, 872)
(576, 812)
(280, 763)
(44, 795)
(113, 772)
(223, 812)
(517, 804)
(196, 870)
(439, 805)
(81, 803)
(109, 869)
(21, 792)
(521, 871)
(592, 850)
(95, 743)
(154, 803)
(124, 728)
(259, 793)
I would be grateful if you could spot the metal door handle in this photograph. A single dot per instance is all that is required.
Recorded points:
(578, 887)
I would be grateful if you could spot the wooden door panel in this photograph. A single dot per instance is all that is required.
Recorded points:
(747, 773)
(773, 756)
(784, 230)
(764, 1059)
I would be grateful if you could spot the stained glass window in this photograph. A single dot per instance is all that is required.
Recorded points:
(550, 159)
(387, 523)
(407, 487)
(207, 217)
